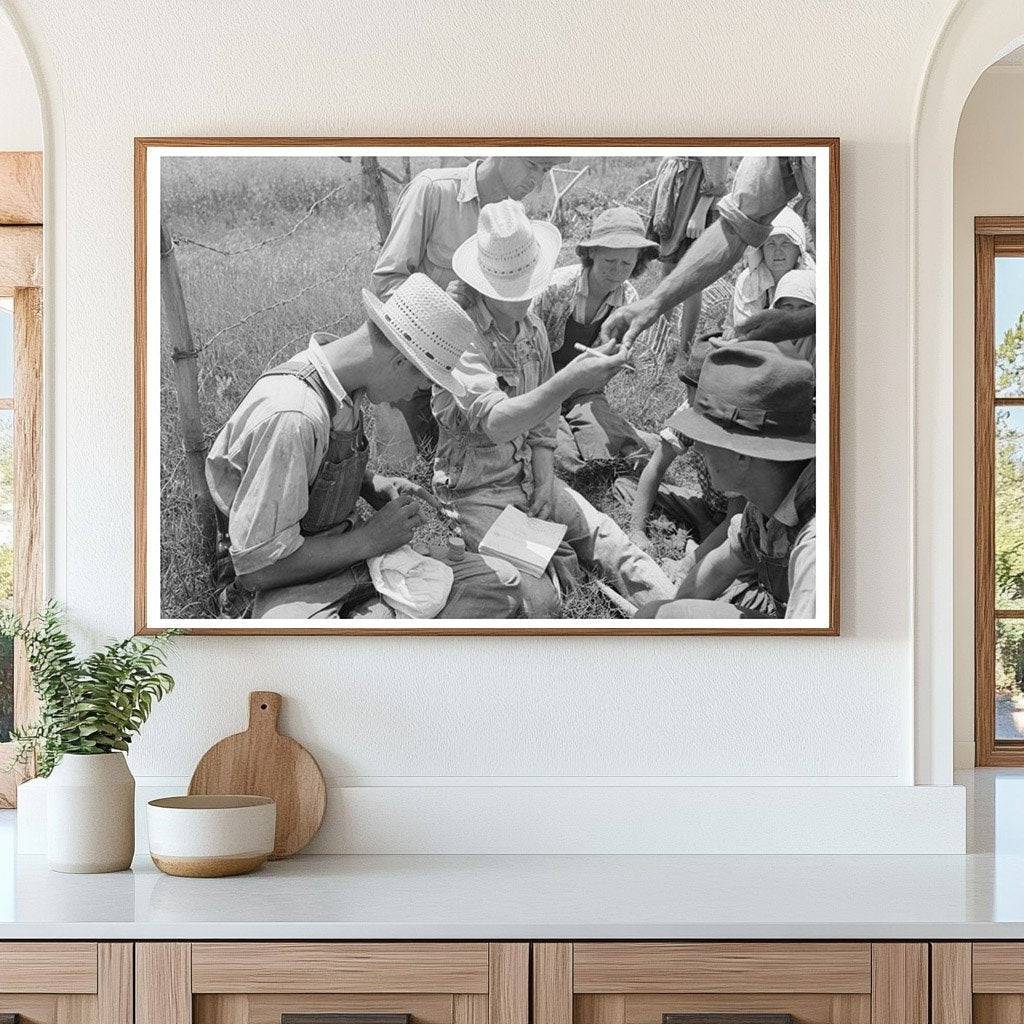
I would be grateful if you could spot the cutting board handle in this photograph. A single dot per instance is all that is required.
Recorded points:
(264, 710)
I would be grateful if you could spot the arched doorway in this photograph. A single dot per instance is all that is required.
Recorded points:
(975, 35)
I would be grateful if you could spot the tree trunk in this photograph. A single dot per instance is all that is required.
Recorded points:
(376, 193)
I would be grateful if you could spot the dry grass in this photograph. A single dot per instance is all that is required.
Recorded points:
(252, 310)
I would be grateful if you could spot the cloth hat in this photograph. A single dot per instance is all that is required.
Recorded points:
(510, 257)
(427, 326)
(755, 400)
(618, 228)
(797, 284)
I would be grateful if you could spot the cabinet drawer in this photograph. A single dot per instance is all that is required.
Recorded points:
(635, 967)
(48, 967)
(262, 982)
(340, 967)
(737, 982)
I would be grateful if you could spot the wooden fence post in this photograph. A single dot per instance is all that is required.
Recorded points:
(186, 379)
(373, 185)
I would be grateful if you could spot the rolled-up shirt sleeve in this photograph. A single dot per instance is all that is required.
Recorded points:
(762, 187)
(405, 248)
(482, 392)
(277, 465)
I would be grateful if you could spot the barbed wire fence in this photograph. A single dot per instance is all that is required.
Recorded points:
(185, 352)
(572, 213)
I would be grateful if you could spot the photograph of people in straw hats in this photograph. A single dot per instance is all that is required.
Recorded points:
(462, 388)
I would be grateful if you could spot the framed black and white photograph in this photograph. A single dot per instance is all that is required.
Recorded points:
(538, 386)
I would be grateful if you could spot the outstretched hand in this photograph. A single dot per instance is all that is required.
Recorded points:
(778, 325)
(627, 323)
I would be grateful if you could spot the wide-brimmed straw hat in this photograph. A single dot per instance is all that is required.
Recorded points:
(755, 400)
(510, 257)
(617, 228)
(427, 326)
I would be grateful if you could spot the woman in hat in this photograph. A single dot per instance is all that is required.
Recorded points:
(784, 250)
(498, 428)
(573, 307)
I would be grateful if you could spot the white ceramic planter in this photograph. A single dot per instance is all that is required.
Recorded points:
(90, 814)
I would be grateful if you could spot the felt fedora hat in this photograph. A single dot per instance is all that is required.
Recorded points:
(510, 257)
(617, 228)
(755, 400)
(427, 326)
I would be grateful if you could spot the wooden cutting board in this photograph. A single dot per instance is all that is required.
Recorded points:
(262, 762)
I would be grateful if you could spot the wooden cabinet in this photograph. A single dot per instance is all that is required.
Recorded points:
(980, 982)
(66, 982)
(260, 982)
(649, 982)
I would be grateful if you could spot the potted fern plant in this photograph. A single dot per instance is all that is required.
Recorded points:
(89, 709)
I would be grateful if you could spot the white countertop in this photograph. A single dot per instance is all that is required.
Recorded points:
(978, 896)
(532, 897)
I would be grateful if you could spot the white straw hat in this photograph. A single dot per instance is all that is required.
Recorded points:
(510, 257)
(427, 326)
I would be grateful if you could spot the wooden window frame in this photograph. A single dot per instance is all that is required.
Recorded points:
(993, 237)
(21, 271)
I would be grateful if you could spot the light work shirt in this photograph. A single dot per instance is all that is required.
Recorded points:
(566, 296)
(436, 213)
(499, 369)
(786, 537)
(264, 460)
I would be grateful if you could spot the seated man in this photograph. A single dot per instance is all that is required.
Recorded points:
(752, 419)
(288, 467)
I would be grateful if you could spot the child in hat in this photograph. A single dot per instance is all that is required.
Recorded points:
(573, 306)
(752, 419)
(796, 290)
(497, 438)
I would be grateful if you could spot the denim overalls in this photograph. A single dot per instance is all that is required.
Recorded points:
(332, 495)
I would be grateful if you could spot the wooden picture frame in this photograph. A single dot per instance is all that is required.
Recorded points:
(148, 152)
(21, 272)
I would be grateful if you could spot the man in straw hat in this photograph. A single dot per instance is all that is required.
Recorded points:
(752, 419)
(436, 213)
(497, 438)
(288, 467)
(762, 188)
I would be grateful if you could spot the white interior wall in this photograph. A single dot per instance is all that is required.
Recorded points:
(988, 181)
(21, 125)
(432, 717)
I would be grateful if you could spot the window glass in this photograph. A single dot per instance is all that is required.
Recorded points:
(6, 351)
(1009, 511)
(1009, 679)
(1009, 327)
(6, 567)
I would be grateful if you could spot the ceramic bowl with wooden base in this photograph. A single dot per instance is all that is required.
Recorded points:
(211, 836)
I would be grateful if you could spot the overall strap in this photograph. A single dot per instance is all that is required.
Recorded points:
(309, 375)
